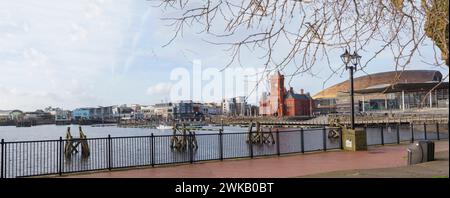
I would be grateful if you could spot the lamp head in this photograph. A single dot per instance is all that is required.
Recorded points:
(346, 57)
(355, 59)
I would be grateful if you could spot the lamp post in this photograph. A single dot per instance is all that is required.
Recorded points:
(354, 59)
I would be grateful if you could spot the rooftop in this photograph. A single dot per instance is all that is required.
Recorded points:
(382, 79)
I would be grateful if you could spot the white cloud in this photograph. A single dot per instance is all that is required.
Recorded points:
(47, 46)
(13, 98)
(79, 33)
(93, 11)
(160, 88)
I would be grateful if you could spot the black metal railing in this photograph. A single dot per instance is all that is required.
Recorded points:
(398, 133)
(46, 157)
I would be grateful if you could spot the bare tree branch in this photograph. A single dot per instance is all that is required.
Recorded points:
(299, 33)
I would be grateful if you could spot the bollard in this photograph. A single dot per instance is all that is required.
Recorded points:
(398, 133)
(412, 132)
(382, 136)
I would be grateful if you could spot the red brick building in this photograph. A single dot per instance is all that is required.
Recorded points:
(281, 102)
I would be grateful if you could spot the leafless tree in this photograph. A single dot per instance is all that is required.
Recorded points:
(313, 28)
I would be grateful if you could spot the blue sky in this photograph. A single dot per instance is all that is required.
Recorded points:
(97, 52)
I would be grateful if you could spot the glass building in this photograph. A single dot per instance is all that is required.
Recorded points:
(392, 90)
(400, 96)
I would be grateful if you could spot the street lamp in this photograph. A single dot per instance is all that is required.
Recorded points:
(354, 59)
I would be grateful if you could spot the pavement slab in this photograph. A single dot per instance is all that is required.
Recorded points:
(294, 165)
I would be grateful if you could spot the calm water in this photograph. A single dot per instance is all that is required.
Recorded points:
(53, 132)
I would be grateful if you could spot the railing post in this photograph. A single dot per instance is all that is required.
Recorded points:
(250, 143)
(382, 135)
(425, 130)
(302, 140)
(398, 133)
(60, 156)
(278, 142)
(191, 153)
(341, 138)
(2, 159)
(109, 152)
(437, 131)
(412, 132)
(152, 143)
(324, 138)
(221, 144)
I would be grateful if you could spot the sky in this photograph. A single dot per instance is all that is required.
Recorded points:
(89, 53)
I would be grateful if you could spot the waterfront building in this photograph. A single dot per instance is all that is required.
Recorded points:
(136, 107)
(83, 113)
(254, 110)
(16, 114)
(137, 115)
(398, 96)
(104, 113)
(52, 110)
(236, 106)
(210, 109)
(10, 115)
(241, 106)
(148, 111)
(63, 117)
(297, 104)
(97, 114)
(229, 106)
(386, 91)
(125, 113)
(184, 109)
(39, 117)
(164, 110)
(265, 107)
(4, 115)
(281, 102)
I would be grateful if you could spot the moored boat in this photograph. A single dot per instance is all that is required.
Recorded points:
(164, 127)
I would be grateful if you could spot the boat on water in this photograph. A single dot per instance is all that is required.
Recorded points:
(164, 127)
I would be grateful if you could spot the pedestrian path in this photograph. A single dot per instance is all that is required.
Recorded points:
(276, 167)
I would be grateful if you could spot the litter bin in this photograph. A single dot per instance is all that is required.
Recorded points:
(419, 152)
(427, 150)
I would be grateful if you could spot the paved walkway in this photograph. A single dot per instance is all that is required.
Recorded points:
(434, 169)
(276, 167)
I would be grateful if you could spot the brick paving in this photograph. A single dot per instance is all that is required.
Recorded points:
(275, 167)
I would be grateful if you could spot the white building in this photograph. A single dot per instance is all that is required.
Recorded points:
(164, 110)
(148, 111)
(235, 106)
